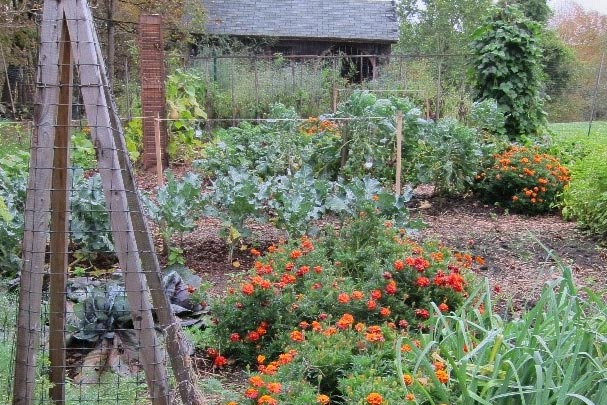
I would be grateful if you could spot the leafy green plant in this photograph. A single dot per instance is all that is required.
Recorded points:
(523, 179)
(90, 222)
(369, 270)
(585, 197)
(133, 134)
(487, 116)
(177, 207)
(185, 93)
(551, 354)
(368, 136)
(507, 67)
(83, 150)
(448, 156)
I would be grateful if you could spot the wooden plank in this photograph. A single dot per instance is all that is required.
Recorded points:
(97, 110)
(158, 147)
(399, 151)
(37, 208)
(176, 342)
(59, 222)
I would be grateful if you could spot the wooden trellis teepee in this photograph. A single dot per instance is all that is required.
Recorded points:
(68, 41)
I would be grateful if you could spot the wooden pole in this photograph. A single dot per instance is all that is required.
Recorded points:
(399, 151)
(37, 207)
(59, 224)
(97, 108)
(176, 342)
(334, 97)
(158, 145)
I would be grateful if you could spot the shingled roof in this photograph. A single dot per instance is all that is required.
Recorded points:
(360, 20)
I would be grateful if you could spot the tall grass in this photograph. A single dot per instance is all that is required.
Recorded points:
(554, 354)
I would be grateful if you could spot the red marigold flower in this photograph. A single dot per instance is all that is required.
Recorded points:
(376, 294)
(387, 275)
(375, 399)
(422, 313)
(303, 270)
(212, 353)
(345, 321)
(323, 316)
(422, 282)
(403, 323)
(220, 361)
(343, 298)
(410, 261)
(253, 336)
(399, 265)
(289, 266)
(255, 252)
(384, 312)
(295, 254)
(371, 305)
(497, 288)
(322, 399)
(317, 269)
(234, 337)
(297, 336)
(251, 393)
(316, 286)
(391, 287)
(443, 307)
(421, 264)
(248, 289)
(306, 244)
(265, 284)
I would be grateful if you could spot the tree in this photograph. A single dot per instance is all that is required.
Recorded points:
(439, 26)
(508, 68)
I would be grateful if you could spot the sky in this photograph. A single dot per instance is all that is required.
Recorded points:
(596, 5)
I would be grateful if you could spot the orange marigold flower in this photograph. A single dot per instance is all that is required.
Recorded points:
(343, 298)
(422, 282)
(442, 376)
(405, 348)
(371, 305)
(410, 397)
(274, 387)
(248, 289)
(359, 327)
(317, 269)
(514, 198)
(295, 254)
(267, 399)
(256, 381)
(375, 399)
(443, 307)
(345, 321)
(408, 379)
(297, 336)
(384, 312)
(357, 295)
(322, 399)
(329, 331)
(375, 197)
(255, 252)
(261, 358)
(398, 265)
(376, 294)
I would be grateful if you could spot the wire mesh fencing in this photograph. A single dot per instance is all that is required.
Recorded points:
(95, 322)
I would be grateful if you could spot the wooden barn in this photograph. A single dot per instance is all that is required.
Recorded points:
(311, 27)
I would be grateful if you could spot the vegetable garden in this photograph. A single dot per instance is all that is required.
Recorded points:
(302, 274)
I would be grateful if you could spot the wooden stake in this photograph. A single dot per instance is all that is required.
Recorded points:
(97, 108)
(334, 97)
(158, 146)
(59, 225)
(399, 151)
(37, 207)
(176, 342)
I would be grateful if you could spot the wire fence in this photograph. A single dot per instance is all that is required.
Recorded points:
(94, 321)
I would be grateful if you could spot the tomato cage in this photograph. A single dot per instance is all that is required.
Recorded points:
(95, 320)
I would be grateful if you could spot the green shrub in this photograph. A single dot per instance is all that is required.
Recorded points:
(448, 156)
(524, 180)
(368, 270)
(487, 116)
(585, 198)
